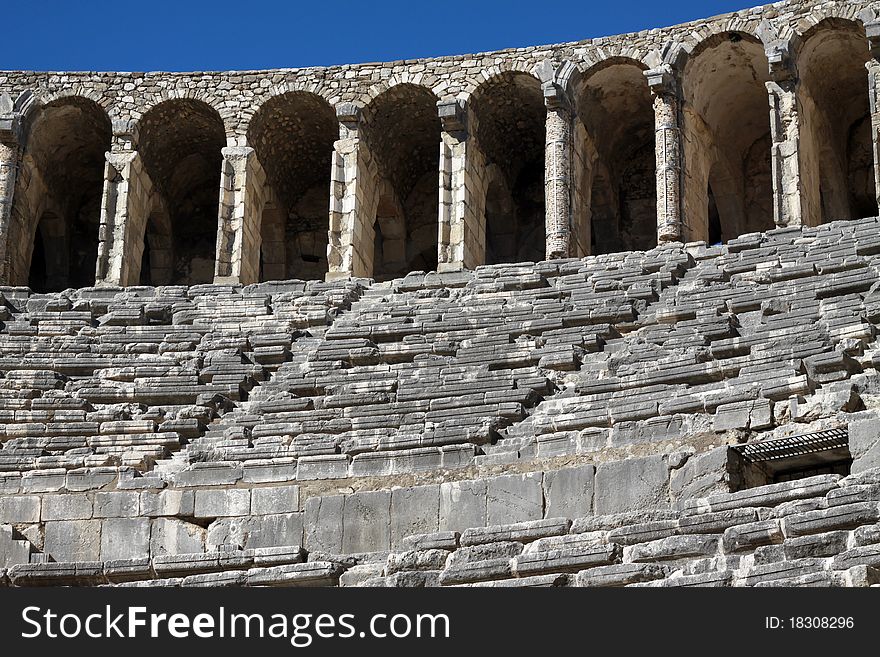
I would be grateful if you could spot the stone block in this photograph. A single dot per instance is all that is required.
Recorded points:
(815, 545)
(217, 473)
(442, 540)
(173, 536)
(366, 522)
(672, 547)
(315, 573)
(414, 511)
(640, 483)
(169, 502)
(702, 474)
(750, 535)
(621, 574)
(20, 509)
(463, 504)
(329, 466)
(73, 540)
(323, 526)
(643, 532)
(218, 503)
(275, 499)
(568, 493)
(416, 560)
(514, 498)
(125, 538)
(845, 516)
(522, 532)
(769, 496)
(710, 523)
(864, 444)
(66, 507)
(565, 560)
(117, 504)
(263, 531)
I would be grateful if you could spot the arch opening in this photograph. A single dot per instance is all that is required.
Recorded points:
(180, 141)
(727, 144)
(836, 124)
(510, 131)
(402, 131)
(293, 136)
(615, 106)
(58, 197)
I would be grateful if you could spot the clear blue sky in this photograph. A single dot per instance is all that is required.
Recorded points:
(185, 35)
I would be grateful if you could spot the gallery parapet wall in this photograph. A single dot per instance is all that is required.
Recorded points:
(701, 131)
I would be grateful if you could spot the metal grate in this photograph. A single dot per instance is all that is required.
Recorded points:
(782, 448)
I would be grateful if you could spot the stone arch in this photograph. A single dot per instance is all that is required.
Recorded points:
(58, 193)
(726, 129)
(509, 119)
(180, 141)
(835, 124)
(615, 108)
(402, 141)
(293, 134)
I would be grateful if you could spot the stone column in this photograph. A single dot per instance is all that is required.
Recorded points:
(125, 207)
(242, 195)
(790, 204)
(9, 161)
(664, 85)
(872, 30)
(558, 220)
(350, 243)
(461, 237)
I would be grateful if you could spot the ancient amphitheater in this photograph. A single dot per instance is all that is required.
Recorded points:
(594, 314)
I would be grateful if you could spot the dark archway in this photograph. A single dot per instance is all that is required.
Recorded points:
(403, 135)
(511, 118)
(615, 106)
(180, 141)
(293, 136)
(727, 138)
(58, 196)
(836, 124)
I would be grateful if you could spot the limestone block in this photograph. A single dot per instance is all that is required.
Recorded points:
(643, 532)
(702, 474)
(750, 535)
(518, 531)
(414, 511)
(263, 531)
(66, 507)
(463, 504)
(117, 504)
(864, 444)
(366, 522)
(565, 560)
(73, 540)
(170, 502)
(709, 523)
(781, 570)
(416, 560)
(125, 538)
(640, 483)
(514, 498)
(672, 547)
(844, 516)
(173, 536)
(322, 526)
(569, 492)
(275, 499)
(20, 509)
(816, 545)
(770, 495)
(621, 574)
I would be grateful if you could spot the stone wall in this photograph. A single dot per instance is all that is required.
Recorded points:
(802, 165)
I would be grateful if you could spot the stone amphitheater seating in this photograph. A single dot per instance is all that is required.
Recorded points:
(293, 433)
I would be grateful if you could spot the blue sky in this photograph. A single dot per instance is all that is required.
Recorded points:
(187, 35)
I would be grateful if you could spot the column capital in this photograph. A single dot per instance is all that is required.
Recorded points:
(663, 80)
(10, 121)
(349, 115)
(781, 63)
(453, 115)
(555, 97)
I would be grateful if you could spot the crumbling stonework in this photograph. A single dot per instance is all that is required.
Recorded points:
(560, 301)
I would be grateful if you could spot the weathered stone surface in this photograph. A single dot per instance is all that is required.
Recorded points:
(514, 498)
(366, 522)
(621, 574)
(463, 505)
(518, 531)
(568, 493)
(673, 547)
(838, 517)
(73, 540)
(264, 531)
(125, 538)
(173, 536)
(413, 511)
(632, 484)
(565, 560)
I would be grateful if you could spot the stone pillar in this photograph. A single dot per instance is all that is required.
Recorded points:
(872, 30)
(350, 243)
(558, 220)
(790, 204)
(9, 162)
(125, 207)
(664, 85)
(242, 197)
(461, 237)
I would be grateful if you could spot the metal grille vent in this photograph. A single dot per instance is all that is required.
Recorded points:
(782, 448)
